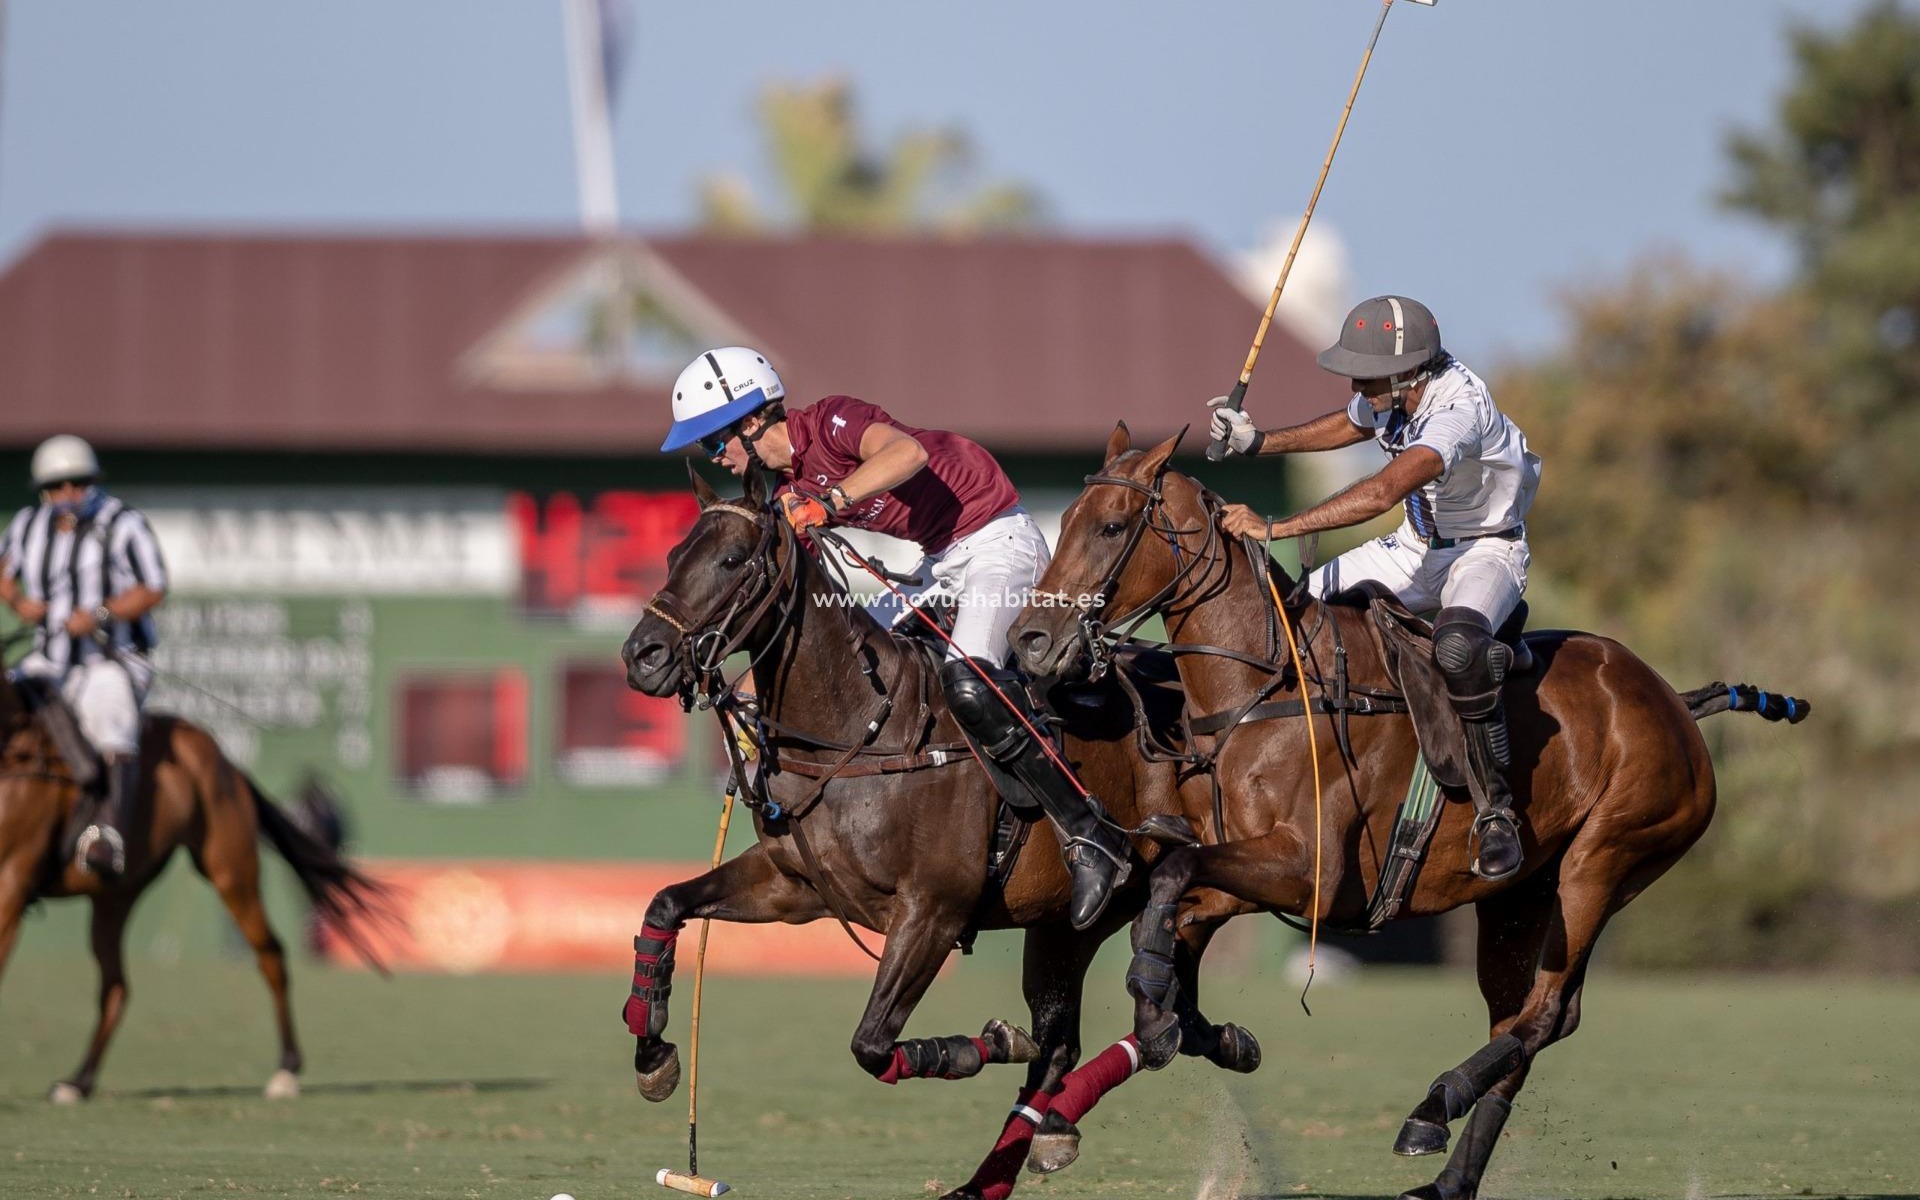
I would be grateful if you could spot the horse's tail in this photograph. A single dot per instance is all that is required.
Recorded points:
(342, 895)
(1719, 697)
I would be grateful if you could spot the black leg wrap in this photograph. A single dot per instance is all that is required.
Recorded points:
(1151, 977)
(941, 1058)
(1461, 1178)
(1469, 1081)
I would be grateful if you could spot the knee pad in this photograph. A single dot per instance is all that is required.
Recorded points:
(1473, 662)
(979, 711)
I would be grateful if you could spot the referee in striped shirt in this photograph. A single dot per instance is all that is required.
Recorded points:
(85, 570)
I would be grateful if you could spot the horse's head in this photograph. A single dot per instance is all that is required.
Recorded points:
(722, 579)
(1116, 558)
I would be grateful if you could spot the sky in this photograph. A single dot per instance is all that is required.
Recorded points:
(1501, 151)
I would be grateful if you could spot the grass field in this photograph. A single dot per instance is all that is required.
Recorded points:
(503, 1088)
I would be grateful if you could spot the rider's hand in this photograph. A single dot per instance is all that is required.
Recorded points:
(1241, 521)
(30, 610)
(1232, 426)
(803, 512)
(81, 623)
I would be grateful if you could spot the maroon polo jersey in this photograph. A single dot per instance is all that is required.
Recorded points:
(960, 489)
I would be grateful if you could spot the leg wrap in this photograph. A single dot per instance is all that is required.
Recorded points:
(1466, 1083)
(646, 1008)
(1468, 1162)
(936, 1058)
(1084, 1086)
(996, 1175)
(1151, 977)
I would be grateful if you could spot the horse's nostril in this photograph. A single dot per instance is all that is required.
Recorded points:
(654, 654)
(1033, 645)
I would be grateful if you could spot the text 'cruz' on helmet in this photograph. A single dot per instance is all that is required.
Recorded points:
(1383, 337)
(717, 389)
(63, 457)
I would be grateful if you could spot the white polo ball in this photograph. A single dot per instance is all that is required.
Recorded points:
(563, 1196)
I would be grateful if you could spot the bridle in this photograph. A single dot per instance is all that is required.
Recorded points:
(708, 640)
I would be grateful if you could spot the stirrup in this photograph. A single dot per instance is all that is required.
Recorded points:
(116, 848)
(1122, 863)
(1476, 836)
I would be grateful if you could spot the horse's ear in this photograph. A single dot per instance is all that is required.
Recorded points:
(702, 490)
(756, 495)
(1120, 442)
(1156, 460)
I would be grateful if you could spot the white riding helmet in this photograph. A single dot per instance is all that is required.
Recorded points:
(63, 457)
(717, 389)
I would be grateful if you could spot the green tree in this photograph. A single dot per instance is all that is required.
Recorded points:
(832, 181)
(1839, 173)
(1731, 477)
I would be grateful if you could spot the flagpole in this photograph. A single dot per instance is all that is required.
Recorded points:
(592, 120)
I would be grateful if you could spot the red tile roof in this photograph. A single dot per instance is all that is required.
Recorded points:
(352, 342)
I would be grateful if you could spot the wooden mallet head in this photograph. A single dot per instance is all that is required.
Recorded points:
(694, 1185)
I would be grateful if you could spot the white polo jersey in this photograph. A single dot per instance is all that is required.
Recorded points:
(1490, 476)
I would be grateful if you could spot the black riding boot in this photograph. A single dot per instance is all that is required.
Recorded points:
(1096, 854)
(1493, 822)
(102, 847)
(1475, 666)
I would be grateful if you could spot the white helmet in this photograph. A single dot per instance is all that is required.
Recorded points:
(63, 457)
(717, 389)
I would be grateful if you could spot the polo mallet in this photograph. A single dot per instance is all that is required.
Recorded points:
(693, 1182)
(1217, 450)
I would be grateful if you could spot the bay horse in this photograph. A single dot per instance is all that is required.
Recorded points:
(878, 816)
(190, 796)
(1610, 776)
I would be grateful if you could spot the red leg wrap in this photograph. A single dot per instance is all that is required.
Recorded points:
(652, 977)
(1084, 1086)
(897, 1069)
(1000, 1170)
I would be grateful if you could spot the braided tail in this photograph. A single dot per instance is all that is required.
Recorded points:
(1718, 697)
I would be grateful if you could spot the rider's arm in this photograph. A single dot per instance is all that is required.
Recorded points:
(1369, 497)
(1330, 432)
(888, 458)
(134, 603)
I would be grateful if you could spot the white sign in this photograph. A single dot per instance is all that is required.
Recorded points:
(334, 542)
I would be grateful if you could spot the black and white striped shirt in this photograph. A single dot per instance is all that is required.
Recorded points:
(82, 568)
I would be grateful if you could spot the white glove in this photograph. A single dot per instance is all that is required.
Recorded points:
(1232, 426)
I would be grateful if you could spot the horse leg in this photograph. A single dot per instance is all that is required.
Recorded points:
(110, 911)
(1269, 871)
(16, 887)
(917, 944)
(234, 872)
(1053, 980)
(1593, 885)
(1226, 1046)
(746, 888)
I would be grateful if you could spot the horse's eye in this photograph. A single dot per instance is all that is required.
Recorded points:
(733, 562)
(1112, 529)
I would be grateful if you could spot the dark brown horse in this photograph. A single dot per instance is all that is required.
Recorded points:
(190, 796)
(879, 816)
(1610, 776)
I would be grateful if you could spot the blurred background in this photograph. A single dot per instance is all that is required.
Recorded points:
(373, 308)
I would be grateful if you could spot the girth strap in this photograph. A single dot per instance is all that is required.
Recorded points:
(1364, 705)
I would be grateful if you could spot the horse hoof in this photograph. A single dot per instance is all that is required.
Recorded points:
(65, 1093)
(660, 1083)
(1055, 1145)
(1159, 1041)
(284, 1085)
(1419, 1137)
(1428, 1192)
(1238, 1051)
(1010, 1043)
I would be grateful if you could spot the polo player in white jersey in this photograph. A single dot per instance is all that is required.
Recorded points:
(83, 568)
(1466, 478)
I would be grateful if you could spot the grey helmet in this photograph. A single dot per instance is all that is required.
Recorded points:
(1384, 337)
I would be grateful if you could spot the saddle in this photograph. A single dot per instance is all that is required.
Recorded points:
(62, 728)
(1406, 645)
